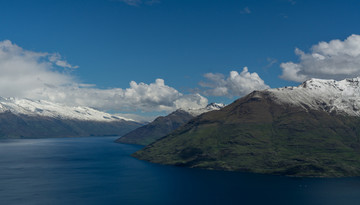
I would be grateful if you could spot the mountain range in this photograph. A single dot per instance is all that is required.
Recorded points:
(309, 130)
(163, 125)
(26, 118)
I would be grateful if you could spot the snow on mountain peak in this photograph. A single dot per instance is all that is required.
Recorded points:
(215, 106)
(49, 109)
(342, 97)
(209, 107)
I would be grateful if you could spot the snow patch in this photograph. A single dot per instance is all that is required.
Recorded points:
(342, 97)
(208, 108)
(49, 109)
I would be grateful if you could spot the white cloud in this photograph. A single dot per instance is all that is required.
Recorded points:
(139, 96)
(193, 101)
(56, 59)
(35, 75)
(237, 84)
(22, 71)
(335, 59)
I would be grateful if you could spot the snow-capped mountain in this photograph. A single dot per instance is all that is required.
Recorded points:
(48, 109)
(25, 118)
(341, 97)
(163, 125)
(208, 108)
(309, 130)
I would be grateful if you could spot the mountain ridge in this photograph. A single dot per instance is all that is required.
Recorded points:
(163, 125)
(272, 131)
(328, 95)
(26, 118)
(50, 109)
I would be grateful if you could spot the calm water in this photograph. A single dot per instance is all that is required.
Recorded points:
(97, 171)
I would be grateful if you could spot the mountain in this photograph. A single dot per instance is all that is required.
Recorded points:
(309, 130)
(208, 108)
(25, 118)
(163, 125)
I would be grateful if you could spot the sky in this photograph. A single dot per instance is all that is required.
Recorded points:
(146, 57)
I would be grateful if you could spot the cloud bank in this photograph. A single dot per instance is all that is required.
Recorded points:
(23, 71)
(237, 84)
(138, 97)
(45, 76)
(335, 59)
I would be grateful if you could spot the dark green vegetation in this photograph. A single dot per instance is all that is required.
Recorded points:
(22, 126)
(158, 128)
(255, 134)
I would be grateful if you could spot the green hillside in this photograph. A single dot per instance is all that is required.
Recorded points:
(158, 128)
(256, 134)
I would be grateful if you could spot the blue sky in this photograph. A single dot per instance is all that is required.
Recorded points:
(114, 42)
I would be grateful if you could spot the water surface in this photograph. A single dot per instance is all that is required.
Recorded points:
(95, 170)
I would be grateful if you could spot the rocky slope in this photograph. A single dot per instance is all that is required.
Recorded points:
(25, 118)
(163, 125)
(309, 130)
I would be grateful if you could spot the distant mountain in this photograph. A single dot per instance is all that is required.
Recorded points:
(25, 118)
(162, 126)
(208, 108)
(309, 130)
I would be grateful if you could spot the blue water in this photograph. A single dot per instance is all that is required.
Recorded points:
(97, 171)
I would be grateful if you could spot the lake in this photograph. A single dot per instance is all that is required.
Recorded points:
(95, 170)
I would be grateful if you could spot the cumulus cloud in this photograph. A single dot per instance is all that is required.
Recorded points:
(23, 71)
(237, 84)
(36, 75)
(139, 96)
(335, 59)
